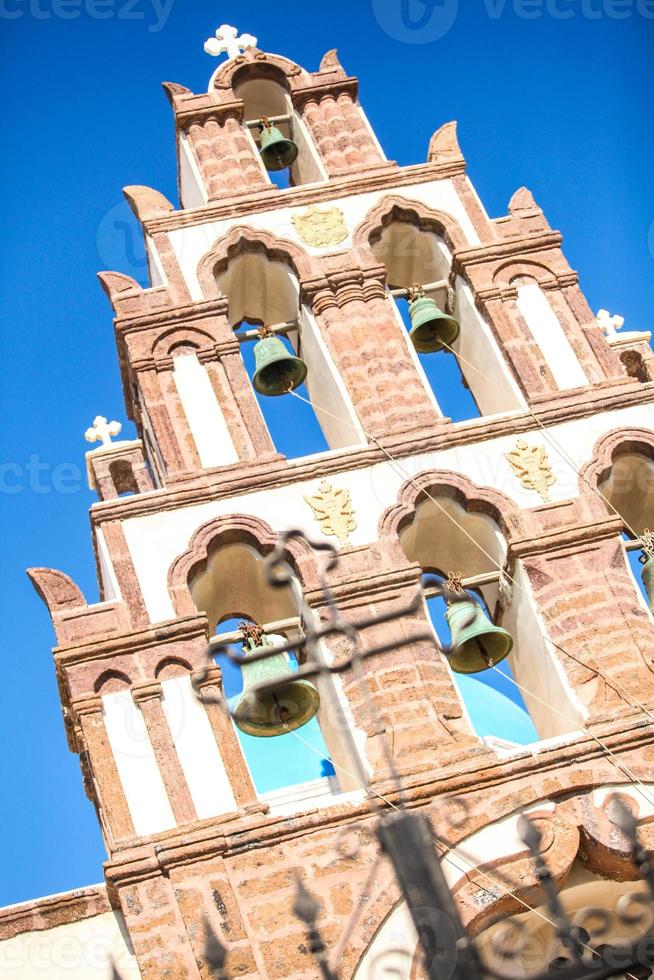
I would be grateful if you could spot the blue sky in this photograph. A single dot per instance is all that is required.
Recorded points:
(559, 103)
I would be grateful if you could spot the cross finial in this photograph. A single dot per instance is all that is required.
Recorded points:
(609, 324)
(102, 431)
(228, 41)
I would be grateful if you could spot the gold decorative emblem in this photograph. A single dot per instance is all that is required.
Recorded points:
(332, 508)
(321, 228)
(532, 467)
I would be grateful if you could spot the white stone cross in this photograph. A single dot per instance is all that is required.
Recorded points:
(228, 41)
(609, 324)
(102, 431)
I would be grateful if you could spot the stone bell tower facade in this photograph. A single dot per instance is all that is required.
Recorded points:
(533, 501)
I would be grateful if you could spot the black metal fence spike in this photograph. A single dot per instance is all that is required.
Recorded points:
(623, 818)
(115, 975)
(306, 907)
(214, 953)
(529, 834)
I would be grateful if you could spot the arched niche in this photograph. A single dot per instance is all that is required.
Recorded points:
(233, 584)
(416, 246)
(540, 948)
(259, 289)
(629, 488)
(448, 525)
(623, 472)
(261, 282)
(269, 97)
(230, 585)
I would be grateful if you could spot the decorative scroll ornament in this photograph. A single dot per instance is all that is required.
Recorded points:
(532, 467)
(321, 228)
(332, 508)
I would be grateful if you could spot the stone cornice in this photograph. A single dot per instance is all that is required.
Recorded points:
(387, 177)
(241, 479)
(135, 641)
(506, 248)
(41, 914)
(562, 539)
(475, 773)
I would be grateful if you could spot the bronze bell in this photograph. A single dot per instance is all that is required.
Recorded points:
(477, 643)
(430, 327)
(275, 712)
(277, 371)
(277, 152)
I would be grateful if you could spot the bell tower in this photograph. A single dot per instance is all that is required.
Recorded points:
(308, 284)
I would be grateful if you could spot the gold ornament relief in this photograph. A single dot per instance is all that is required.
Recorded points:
(532, 467)
(332, 508)
(321, 228)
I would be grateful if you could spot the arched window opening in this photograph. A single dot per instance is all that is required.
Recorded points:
(635, 366)
(122, 474)
(289, 157)
(233, 588)
(445, 537)
(629, 488)
(265, 292)
(540, 948)
(453, 347)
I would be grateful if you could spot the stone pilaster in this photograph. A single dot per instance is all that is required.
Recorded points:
(208, 683)
(148, 697)
(114, 812)
(365, 339)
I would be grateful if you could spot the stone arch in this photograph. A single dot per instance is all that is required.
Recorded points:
(111, 681)
(244, 239)
(169, 340)
(611, 445)
(228, 530)
(573, 828)
(508, 272)
(627, 490)
(394, 207)
(473, 498)
(171, 667)
(256, 64)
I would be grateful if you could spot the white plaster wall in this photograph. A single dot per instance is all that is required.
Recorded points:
(390, 953)
(157, 275)
(196, 747)
(192, 189)
(137, 766)
(156, 540)
(203, 413)
(110, 586)
(191, 243)
(550, 337)
(485, 369)
(552, 703)
(326, 389)
(76, 951)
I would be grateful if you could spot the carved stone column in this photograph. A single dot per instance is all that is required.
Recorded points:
(148, 697)
(417, 715)
(372, 356)
(114, 811)
(209, 685)
(590, 608)
(337, 127)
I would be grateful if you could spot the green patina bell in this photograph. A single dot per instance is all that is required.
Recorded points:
(268, 713)
(647, 574)
(430, 327)
(277, 152)
(478, 644)
(276, 370)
